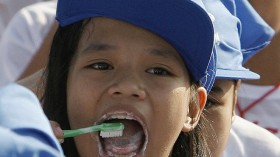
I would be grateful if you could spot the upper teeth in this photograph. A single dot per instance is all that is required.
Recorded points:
(121, 117)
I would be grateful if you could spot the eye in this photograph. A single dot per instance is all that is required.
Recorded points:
(101, 66)
(158, 71)
(211, 102)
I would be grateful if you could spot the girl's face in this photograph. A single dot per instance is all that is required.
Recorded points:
(220, 112)
(123, 73)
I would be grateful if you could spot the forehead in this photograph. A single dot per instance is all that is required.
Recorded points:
(104, 34)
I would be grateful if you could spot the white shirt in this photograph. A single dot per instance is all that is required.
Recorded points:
(249, 140)
(8, 8)
(265, 113)
(22, 38)
(24, 129)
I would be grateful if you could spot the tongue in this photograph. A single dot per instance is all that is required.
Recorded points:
(128, 144)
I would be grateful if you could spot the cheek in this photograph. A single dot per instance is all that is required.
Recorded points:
(179, 105)
(220, 119)
(167, 119)
(81, 100)
(172, 110)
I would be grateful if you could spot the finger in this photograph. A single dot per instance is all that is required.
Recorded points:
(57, 131)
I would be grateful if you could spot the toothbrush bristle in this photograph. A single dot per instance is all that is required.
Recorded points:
(108, 134)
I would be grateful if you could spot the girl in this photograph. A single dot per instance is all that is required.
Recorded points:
(147, 64)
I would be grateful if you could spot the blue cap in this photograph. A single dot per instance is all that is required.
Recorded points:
(228, 47)
(182, 23)
(256, 33)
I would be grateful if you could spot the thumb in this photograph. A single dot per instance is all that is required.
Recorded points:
(57, 131)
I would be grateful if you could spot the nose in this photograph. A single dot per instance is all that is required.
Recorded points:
(128, 86)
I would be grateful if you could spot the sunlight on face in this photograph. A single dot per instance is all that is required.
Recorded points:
(123, 73)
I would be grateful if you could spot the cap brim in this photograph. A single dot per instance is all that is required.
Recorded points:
(236, 74)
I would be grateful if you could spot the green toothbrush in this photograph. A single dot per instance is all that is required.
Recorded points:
(106, 130)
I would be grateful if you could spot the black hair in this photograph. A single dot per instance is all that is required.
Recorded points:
(65, 43)
(193, 143)
(63, 49)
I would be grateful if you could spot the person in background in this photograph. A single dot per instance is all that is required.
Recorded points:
(8, 8)
(232, 19)
(24, 129)
(258, 100)
(32, 39)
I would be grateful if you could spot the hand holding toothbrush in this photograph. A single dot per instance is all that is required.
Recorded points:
(107, 130)
(57, 131)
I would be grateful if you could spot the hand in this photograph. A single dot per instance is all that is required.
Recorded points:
(57, 131)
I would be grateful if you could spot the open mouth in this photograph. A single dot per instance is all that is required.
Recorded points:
(133, 141)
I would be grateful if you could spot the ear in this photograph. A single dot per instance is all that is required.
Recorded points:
(195, 109)
(236, 87)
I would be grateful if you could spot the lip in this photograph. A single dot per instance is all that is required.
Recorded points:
(122, 114)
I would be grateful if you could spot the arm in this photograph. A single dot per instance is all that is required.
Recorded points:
(24, 129)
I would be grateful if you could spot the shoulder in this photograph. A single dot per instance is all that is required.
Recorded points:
(21, 134)
(17, 145)
(247, 139)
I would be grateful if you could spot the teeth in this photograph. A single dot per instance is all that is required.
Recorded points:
(121, 117)
(118, 117)
(107, 134)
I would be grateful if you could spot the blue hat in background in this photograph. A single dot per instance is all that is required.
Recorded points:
(182, 23)
(228, 47)
(256, 33)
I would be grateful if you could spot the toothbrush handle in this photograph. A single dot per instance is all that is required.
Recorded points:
(73, 133)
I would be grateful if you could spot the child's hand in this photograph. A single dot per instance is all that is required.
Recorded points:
(57, 131)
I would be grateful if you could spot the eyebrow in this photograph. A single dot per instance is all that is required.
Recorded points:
(96, 47)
